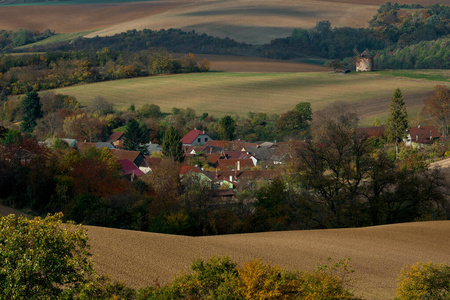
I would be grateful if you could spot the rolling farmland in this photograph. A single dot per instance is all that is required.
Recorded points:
(221, 93)
(248, 21)
(377, 253)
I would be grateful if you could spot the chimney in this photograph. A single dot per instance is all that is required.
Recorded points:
(231, 178)
(203, 132)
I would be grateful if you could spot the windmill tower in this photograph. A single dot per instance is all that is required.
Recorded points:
(364, 61)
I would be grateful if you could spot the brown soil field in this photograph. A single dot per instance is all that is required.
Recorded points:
(377, 253)
(251, 21)
(76, 18)
(230, 63)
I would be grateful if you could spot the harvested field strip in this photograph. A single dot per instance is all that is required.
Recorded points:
(377, 253)
(240, 93)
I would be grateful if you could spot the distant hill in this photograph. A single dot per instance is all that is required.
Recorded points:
(242, 20)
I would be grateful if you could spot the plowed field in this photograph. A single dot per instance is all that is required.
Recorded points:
(251, 21)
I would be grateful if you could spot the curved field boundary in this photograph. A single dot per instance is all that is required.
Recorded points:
(240, 93)
(377, 253)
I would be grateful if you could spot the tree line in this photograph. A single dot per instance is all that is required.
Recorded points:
(22, 73)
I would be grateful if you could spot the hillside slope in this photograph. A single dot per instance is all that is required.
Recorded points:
(251, 21)
(377, 253)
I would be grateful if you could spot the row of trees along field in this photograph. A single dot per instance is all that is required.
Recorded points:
(20, 74)
(392, 31)
(337, 178)
(47, 259)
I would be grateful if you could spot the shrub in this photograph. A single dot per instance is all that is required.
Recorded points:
(424, 281)
(219, 278)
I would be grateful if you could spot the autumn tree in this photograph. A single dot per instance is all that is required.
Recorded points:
(397, 123)
(31, 111)
(135, 136)
(437, 107)
(84, 128)
(171, 145)
(100, 106)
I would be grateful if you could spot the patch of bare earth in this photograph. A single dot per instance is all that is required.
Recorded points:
(5, 211)
(377, 106)
(230, 63)
(377, 253)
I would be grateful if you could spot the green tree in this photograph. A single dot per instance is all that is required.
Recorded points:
(397, 122)
(135, 136)
(42, 258)
(171, 145)
(31, 111)
(294, 123)
(227, 128)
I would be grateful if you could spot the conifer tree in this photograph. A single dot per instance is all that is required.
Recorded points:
(136, 136)
(31, 111)
(171, 145)
(397, 122)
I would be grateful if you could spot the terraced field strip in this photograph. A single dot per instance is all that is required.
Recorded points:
(239, 93)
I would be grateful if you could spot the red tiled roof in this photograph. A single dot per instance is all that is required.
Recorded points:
(424, 134)
(237, 155)
(232, 163)
(212, 143)
(129, 167)
(191, 136)
(115, 136)
(187, 169)
(125, 154)
(213, 157)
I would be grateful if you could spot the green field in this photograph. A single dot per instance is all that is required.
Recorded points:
(239, 93)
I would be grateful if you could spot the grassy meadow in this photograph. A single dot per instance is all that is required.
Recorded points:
(236, 94)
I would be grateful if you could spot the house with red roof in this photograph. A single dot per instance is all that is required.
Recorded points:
(421, 135)
(195, 138)
(129, 169)
(135, 157)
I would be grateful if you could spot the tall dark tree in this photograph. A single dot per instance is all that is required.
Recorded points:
(227, 128)
(397, 122)
(171, 146)
(135, 136)
(294, 123)
(31, 111)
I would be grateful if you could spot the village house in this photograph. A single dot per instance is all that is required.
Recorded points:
(420, 136)
(195, 138)
(135, 157)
